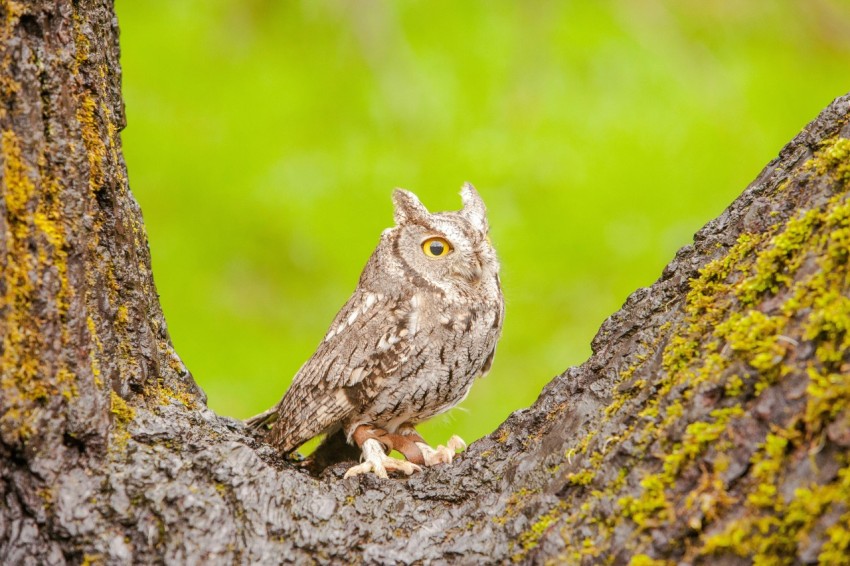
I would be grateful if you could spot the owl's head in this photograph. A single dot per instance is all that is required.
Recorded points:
(445, 249)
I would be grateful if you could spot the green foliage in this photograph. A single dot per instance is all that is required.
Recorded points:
(264, 138)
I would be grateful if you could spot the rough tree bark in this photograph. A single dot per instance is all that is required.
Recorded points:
(712, 421)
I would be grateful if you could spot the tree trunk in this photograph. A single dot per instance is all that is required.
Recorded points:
(712, 421)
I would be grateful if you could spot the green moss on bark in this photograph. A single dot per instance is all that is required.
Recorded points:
(749, 317)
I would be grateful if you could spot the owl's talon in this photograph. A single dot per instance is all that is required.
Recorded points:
(376, 461)
(456, 443)
(441, 454)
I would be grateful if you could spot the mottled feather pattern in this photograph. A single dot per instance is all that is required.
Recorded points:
(412, 338)
(325, 388)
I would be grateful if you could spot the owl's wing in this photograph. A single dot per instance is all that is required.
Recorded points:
(369, 339)
(492, 338)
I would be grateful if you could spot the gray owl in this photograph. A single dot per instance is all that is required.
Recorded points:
(420, 327)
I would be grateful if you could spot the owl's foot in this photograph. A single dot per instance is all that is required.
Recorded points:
(375, 460)
(376, 443)
(441, 454)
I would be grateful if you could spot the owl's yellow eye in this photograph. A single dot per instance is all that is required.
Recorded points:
(436, 247)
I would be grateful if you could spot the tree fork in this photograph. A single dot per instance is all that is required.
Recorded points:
(711, 422)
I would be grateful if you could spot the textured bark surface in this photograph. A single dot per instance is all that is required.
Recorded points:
(711, 424)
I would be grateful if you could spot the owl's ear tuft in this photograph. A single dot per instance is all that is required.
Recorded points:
(407, 207)
(473, 207)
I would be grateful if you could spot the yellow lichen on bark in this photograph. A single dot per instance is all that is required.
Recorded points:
(35, 254)
(745, 318)
(19, 360)
(95, 148)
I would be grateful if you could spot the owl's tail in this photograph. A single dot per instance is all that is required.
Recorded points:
(264, 420)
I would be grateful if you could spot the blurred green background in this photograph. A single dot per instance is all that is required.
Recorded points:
(264, 139)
